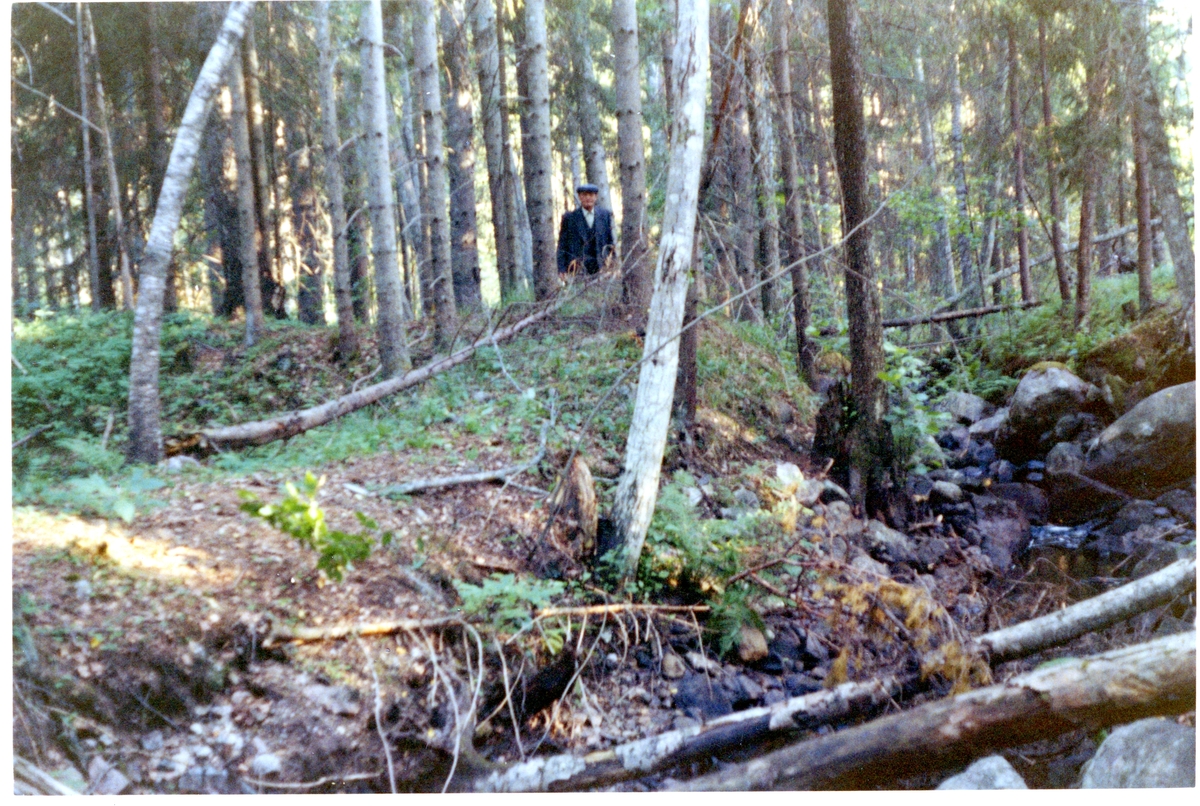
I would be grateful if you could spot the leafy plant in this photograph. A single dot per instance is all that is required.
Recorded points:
(508, 601)
(300, 516)
(912, 421)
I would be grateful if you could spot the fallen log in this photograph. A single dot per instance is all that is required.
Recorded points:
(302, 635)
(1055, 629)
(288, 425)
(1154, 678)
(949, 316)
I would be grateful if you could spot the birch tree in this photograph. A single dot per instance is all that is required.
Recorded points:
(389, 292)
(538, 192)
(425, 52)
(145, 426)
(637, 489)
(331, 148)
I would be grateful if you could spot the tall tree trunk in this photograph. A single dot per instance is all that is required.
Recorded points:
(636, 282)
(389, 292)
(637, 489)
(1056, 214)
(1162, 168)
(539, 197)
(145, 428)
(269, 277)
(495, 138)
(870, 439)
(408, 177)
(460, 133)
(1145, 233)
(944, 283)
(1096, 83)
(594, 156)
(251, 236)
(972, 276)
(310, 296)
(1018, 132)
(331, 147)
(514, 177)
(88, 194)
(425, 50)
(160, 144)
(767, 245)
(114, 185)
(793, 212)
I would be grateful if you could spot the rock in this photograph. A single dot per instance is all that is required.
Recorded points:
(954, 439)
(1157, 555)
(1180, 502)
(83, 588)
(672, 666)
(988, 427)
(980, 454)
(745, 499)
(886, 544)
(797, 685)
(839, 520)
(1003, 528)
(1076, 498)
(1064, 458)
(70, 777)
(701, 698)
(787, 643)
(945, 492)
(265, 764)
(694, 496)
(152, 741)
(1131, 516)
(965, 407)
(177, 464)
(815, 651)
(1002, 471)
(832, 492)
(752, 644)
(744, 691)
(863, 562)
(105, 778)
(1076, 426)
(338, 700)
(788, 474)
(702, 663)
(1149, 753)
(930, 552)
(991, 772)
(1045, 393)
(1029, 497)
(201, 780)
(946, 474)
(1150, 448)
(808, 492)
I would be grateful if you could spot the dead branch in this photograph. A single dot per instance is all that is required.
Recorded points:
(1093, 614)
(948, 316)
(596, 610)
(304, 635)
(329, 779)
(30, 779)
(288, 425)
(501, 474)
(41, 429)
(1158, 677)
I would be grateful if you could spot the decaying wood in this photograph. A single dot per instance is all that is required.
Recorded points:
(302, 635)
(297, 422)
(1157, 677)
(948, 316)
(620, 607)
(1089, 615)
(28, 779)
(644, 756)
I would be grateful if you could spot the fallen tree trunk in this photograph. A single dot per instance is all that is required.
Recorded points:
(1158, 677)
(1101, 611)
(288, 425)
(948, 316)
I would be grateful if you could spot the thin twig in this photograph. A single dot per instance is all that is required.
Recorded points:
(620, 608)
(329, 779)
(387, 750)
(52, 100)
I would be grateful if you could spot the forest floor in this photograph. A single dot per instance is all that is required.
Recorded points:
(147, 657)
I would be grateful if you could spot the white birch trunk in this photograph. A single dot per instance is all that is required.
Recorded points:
(389, 291)
(93, 259)
(145, 427)
(331, 145)
(538, 192)
(637, 489)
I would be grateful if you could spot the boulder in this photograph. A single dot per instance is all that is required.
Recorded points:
(1131, 516)
(1149, 753)
(886, 544)
(672, 666)
(991, 772)
(1003, 529)
(1045, 393)
(1150, 448)
(945, 492)
(752, 644)
(988, 427)
(1029, 497)
(1002, 471)
(1074, 498)
(700, 698)
(1076, 426)
(965, 407)
(1181, 502)
(1064, 458)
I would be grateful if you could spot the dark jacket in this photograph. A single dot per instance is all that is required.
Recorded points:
(588, 246)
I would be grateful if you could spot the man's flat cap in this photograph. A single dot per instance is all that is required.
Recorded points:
(587, 188)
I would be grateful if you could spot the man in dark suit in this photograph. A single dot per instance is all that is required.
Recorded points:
(585, 236)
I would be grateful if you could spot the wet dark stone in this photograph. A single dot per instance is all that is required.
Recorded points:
(981, 454)
(773, 664)
(1001, 471)
(798, 685)
(1131, 516)
(815, 651)
(701, 698)
(1028, 497)
(787, 644)
(1181, 502)
(645, 658)
(930, 552)
(954, 439)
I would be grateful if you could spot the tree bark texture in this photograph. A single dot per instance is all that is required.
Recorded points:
(1016, 123)
(251, 236)
(793, 209)
(971, 274)
(538, 193)
(594, 155)
(288, 425)
(310, 297)
(1096, 82)
(270, 279)
(1061, 270)
(1145, 232)
(637, 489)
(870, 453)
(425, 53)
(636, 279)
(331, 148)
(495, 137)
(389, 291)
(115, 196)
(1158, 677)
(944, 283)
(410, 167)
(460, 139)
(160, 142)
(766, 251)
(145, 427)
(513, 178)
(89, 195)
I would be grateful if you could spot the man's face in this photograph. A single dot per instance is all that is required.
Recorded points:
(587, 200)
